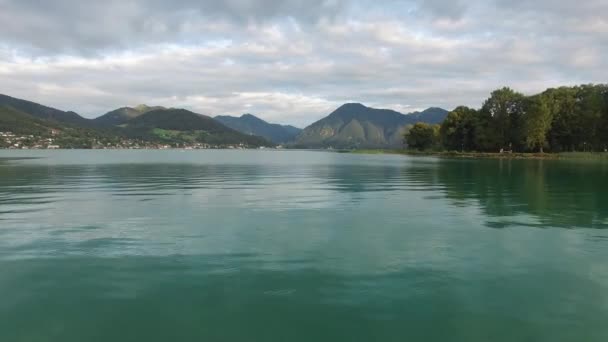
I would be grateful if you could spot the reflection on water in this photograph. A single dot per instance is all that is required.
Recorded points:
(275, 246)
(557, 193)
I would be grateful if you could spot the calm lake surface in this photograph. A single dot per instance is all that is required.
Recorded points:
(300, 246)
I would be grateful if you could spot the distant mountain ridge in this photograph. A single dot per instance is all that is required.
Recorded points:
(250, 124)
(122, 115)
(354, 125)
(189, 126)
(156, 125)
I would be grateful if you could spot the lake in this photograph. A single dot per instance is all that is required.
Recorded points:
(300, 246)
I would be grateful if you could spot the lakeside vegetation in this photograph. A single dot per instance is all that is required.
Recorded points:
(489, 155)
(565, 119)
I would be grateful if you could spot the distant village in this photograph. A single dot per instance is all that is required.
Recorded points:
(10, 140)
(15, 141)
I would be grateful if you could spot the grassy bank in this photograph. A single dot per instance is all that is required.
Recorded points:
(445, 154)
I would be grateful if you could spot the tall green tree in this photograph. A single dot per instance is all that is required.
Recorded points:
(565, 127)
(457, 131)
(603, 128)
(537, 121)
(589, 109)
(422, 136)
(506, 108)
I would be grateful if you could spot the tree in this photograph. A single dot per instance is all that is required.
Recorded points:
(457, 130)
(537, 121)
(565, 126)
(565, 119)
(505, 107)
(590, 102)
(422, 136)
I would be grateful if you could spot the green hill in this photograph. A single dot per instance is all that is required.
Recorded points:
(44, 112)
(121, 115)
(139, 126)
(354, 125)
(181, 125)
(252, 125)
(61, 134)
(12, 120)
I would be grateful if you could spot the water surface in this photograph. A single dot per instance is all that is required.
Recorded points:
(300, 246)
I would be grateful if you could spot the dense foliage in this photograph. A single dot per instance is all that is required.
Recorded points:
(422, 136)
(560, 119)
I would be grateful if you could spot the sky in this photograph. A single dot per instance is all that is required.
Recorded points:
(293, 62)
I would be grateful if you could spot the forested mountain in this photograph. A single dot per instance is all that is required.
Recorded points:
(44, 112)
(354, 125)
(250, 124)
(122, 115)
(184, 125)
(27, 130)
(12, 120)
(139, 126)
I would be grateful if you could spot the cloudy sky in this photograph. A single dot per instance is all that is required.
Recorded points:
(292, 61)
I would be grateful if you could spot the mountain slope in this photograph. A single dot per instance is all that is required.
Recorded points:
(354, 125)
(44, 112)
(43, 132)
(139, 126)
(121, 115)
(184, 125)
(252, 125)
(433, 115)
(12, 120)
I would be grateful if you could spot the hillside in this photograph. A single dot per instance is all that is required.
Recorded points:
(121, 115)
(141, 126)
(184, 126)
(44, 112)
(12, 120)
(354, 125)
(30, 131)
(433, 115)
(252, 125)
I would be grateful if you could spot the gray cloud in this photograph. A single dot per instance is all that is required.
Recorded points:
(454, 9)
(293, 61)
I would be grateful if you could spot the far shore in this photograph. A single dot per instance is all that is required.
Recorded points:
(488, 155)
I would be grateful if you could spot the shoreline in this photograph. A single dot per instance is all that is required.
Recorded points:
(489, 155)
(439, 154)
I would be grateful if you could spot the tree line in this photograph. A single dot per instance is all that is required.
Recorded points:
(558, 120)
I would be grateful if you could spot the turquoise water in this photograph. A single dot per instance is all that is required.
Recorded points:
(300, 246)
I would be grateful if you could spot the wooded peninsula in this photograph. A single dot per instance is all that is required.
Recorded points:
(565, 119)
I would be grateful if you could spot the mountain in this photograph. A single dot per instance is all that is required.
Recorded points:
(186, 126)
(30, 131)
(121, 115)
(44, 112)
(354, 125)
(252, 125)
(12, 120)
(433, 115)
(124, 127)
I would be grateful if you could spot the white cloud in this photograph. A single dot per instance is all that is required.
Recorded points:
(293, 61)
